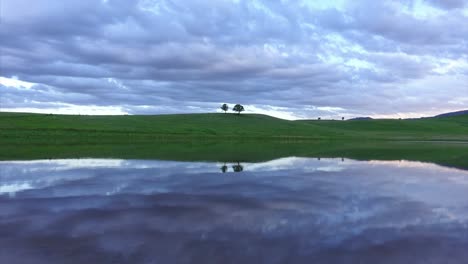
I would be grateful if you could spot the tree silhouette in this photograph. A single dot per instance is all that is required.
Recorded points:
(224, 168)
(238, 167)
(224, 107)
(238, 108)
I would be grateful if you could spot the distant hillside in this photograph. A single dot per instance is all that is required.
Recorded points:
(458, 113)
(361, 118)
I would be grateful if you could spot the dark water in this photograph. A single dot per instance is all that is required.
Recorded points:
(290, 210)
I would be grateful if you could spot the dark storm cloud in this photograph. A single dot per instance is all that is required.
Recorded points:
(292, 55)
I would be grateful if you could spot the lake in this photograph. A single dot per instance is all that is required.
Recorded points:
(286, 210)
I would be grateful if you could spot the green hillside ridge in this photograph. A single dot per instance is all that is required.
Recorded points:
(25, 127)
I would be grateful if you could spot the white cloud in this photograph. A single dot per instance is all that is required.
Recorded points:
(14, 82)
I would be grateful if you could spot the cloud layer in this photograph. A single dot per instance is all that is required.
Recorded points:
(295, 59)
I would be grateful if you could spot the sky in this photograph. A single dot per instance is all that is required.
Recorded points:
(290, 59)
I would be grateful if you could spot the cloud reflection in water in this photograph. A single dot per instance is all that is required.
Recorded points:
(291, 210)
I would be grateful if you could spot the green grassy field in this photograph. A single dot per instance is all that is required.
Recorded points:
(228, 137)
(37, 128)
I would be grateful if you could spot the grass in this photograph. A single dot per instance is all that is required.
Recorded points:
(228, 137)
(37, 128)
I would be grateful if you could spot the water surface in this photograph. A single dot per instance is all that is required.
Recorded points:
(288, 210)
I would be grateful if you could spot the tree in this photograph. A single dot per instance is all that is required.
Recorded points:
(224, 168)
(342, 118)
(224, 107)
(237, 168)
(238, 108)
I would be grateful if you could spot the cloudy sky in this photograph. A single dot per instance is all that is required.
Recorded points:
(291, 59)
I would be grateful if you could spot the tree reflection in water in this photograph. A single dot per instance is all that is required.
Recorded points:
(224, 168)
(236, 167)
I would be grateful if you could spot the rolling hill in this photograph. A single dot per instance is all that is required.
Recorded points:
(458, 113)
(24, 127)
